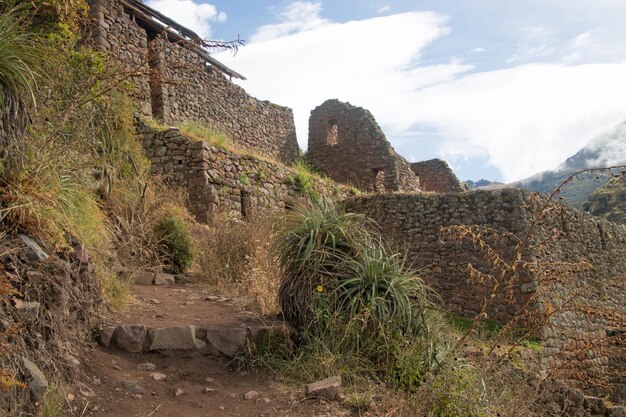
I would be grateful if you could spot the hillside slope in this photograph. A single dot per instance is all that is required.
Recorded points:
(604, 150)
(609, 201)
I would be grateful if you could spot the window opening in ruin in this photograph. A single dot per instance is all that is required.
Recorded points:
(245, 203)
(379, 181)
(332, 136)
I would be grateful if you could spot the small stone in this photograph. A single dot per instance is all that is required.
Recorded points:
(36, 380)
(70, 396)
(251, 395)
(209, 380)
(209, 390)
(154, 301)
(267, 400)
(133, 388)
(85, 390)
(26, 310)
(327, 388)
(194, 297)
(179, 392)
(32, 250)
(221, 407)
(97, 382)
(158, 376)
(146, 366)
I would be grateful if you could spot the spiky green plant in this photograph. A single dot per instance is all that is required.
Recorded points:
(313, 246)
(20, 58)
(380, 284)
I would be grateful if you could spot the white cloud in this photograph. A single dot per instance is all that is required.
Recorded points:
(384, 8)
(581, 40)
(528, 118)
(366, 62)
(610, 147)
(298, 16)
(195, 16)
(523, 119)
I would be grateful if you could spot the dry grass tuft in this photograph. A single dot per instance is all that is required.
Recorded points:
(234, 257)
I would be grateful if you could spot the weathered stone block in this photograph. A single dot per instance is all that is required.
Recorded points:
(327, 389)
(175, 338)
(131, 338)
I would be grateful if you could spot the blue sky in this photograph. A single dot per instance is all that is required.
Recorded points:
(501, 89)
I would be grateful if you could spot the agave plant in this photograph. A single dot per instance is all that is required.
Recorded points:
(314, 246)
(380, 285)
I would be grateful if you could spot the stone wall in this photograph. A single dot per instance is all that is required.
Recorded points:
(191, 90)
(176, 84)
(219, 180)
(436, 175)
(586, 340)
(414, 221)
(114, 31)
(346, 143)
(575, 336)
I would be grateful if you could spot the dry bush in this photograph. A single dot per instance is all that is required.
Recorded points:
(233, 256)
(559, 289)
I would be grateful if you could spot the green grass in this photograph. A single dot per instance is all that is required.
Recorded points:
(172, 234)
(53, 403)
(203, 132)
(486, 328)
(20, 68)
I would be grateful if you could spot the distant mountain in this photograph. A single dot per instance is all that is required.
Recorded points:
(483, 184)
(602, 151)
(609, 201)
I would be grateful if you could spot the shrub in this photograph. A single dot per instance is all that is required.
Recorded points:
(173, 236)
(234, 257)
(380, 283)
(313, 246)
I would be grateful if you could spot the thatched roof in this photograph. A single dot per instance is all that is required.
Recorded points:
(175, 31)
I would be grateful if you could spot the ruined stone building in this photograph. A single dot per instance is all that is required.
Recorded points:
(176, 79)
(435, 175)
(346, 143)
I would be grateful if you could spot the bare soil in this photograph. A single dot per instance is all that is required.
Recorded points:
(206, 385)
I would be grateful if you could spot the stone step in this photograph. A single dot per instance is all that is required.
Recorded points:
(188, 340)
(159, 278)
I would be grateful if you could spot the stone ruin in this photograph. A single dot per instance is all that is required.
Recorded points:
(346, 143)
(576, 337)
(176, 80)
(435, 175)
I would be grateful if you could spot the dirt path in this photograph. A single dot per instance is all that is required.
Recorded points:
(184, 383)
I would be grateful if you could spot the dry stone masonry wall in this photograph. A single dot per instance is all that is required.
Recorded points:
(176, 84)
(114, 31)
(218, 180)
(436, 175)
(346, 143)
(584, 341)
